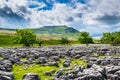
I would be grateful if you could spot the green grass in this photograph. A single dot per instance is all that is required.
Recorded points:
(57, 42)
(60, 62)
(11, 45)
(45, 42)
(114, 55)
(94, 54)
(79, 62)
(5, 39)
(24, 59)
(101, 57)
(51, 42)
(20, 70)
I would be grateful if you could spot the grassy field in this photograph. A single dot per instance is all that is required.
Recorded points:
(60, 32)
(20, 70)
(7, 40)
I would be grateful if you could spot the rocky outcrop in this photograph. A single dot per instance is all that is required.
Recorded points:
(106, 68)
(31, 76)
(6, 75)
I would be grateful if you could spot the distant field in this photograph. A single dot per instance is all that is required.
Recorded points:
(41, 36)
(6, 39)
(6, 32)
(53, 37)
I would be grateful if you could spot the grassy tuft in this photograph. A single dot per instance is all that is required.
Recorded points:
(79, 62)
(101, 57)
(20, 70)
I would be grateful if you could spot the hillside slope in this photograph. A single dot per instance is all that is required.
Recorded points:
(57, 31)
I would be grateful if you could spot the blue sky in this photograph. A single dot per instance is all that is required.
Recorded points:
(94, 16)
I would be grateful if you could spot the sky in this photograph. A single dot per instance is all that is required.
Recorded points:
(93, 16)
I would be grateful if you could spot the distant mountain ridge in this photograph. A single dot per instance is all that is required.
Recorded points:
(54, 31)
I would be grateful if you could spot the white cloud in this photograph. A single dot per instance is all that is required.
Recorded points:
(95, 16)
(102, 16)
(101, 10)
(12, 3)
(15, 6)
(61, 14)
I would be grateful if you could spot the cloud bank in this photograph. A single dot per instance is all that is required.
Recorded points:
(94, 16)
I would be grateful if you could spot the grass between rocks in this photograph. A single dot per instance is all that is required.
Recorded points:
(79, 62)
(101, 57)
(114, 55)
(20, 70)
(24, 59)
(94, 54)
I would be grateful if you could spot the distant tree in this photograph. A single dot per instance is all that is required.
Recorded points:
(39, 42)
(111, 38)
(116, 41)
(84, 38)
(25, 36)
(107, 38)
(64, 41)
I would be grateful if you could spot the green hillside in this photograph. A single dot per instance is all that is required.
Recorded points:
(54, 32)
(58, 31)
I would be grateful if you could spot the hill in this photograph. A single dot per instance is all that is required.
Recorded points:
(50, 32)
(57, 31)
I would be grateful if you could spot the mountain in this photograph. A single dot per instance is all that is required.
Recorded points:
(56, 29)
(53, 32)
(58, 32)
